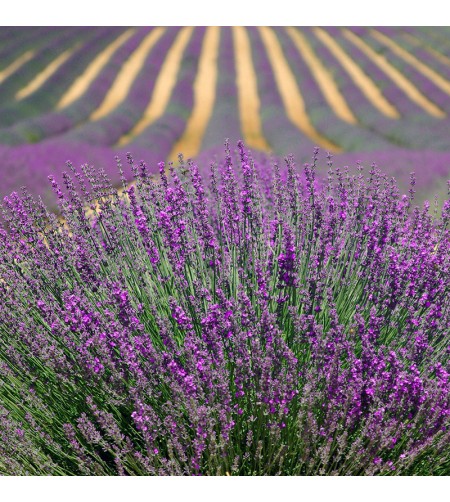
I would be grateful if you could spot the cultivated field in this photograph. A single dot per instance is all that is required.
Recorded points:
(237, 310)
(86, 94)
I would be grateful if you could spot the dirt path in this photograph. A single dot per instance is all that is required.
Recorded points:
(365, 84)
(165, 82)
(324, 79)
(15, 65)
(398, 78)
(204, 97)
(294, 104)
(127, 75)
(431, 74)
(247, 90)
(42, 77)
(420, 43)
(82, 83)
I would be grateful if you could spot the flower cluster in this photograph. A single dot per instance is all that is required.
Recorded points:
(237, 318)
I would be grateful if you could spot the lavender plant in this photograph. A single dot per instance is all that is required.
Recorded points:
(225, 320)
(280, 132)
(225, 114)
(48, 46)
(410, 131)
(350, 137)
(170, 126)
(53, 123)
(109, 129)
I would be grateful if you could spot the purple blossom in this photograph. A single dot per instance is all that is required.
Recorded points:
(225, 318)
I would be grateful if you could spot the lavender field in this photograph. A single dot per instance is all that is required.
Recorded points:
(86, 94)
(225, 251)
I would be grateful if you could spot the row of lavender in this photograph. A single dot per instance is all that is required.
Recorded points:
(34, 119)
(415, 128)
(373, 130)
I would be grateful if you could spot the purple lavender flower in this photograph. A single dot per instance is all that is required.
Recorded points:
(234, 317)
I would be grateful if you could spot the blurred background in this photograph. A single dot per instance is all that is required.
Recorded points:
(87, 94)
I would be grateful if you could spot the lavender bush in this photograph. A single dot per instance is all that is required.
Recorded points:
(235, 319)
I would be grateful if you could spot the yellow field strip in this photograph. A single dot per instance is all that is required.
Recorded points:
(365, 84)
(42, 77)
(418, 42)
(432, 75)
(165, 82)
(247, 89)
(82, 83)
(290, 93)
(324, 79)
(204, 97)
(127, 75)
(398, 78)
(15, 65)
